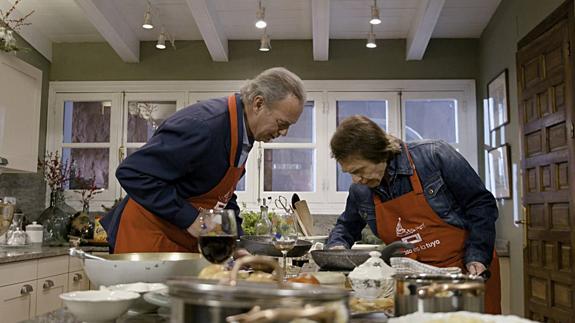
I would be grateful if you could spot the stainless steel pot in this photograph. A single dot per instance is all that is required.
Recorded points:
(199, 300)
(438, 293)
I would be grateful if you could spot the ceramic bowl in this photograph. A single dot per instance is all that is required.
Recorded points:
(140, 305)
(98, 306)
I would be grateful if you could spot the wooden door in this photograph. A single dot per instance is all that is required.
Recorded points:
(545, 103)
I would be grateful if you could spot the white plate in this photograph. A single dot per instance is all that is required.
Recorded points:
(458, 317)
(359, 246)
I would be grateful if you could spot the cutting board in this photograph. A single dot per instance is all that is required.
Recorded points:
(305, 216)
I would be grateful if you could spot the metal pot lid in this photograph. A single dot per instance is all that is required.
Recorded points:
(436, 278)
(190, 287)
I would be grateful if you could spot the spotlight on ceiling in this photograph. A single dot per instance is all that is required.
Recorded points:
(371, 39)
(261, 16)
(161, 44)
(375, 14)
(148, 19)
(265, 43)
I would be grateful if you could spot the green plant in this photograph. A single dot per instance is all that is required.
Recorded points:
(250, 218)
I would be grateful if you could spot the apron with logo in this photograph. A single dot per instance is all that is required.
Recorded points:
(411, 219)
(142, 231)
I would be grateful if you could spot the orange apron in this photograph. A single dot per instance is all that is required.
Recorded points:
(411, 219)
(142, 231)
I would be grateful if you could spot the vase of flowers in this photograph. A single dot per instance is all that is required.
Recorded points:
(56, 218)
(9, 25)
(82, 224)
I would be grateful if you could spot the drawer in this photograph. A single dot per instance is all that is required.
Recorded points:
(75, 264)
(17, 272)
(18, 302)
(48, 293)
(52, 266)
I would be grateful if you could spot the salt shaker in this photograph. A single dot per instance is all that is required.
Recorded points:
(35, 232)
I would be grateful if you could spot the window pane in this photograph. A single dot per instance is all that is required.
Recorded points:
(87, 121)
(289, 170)
(145, 116)
(302, 130)
(241, 187)
(88, 163)
(431, 119)
(376, 110)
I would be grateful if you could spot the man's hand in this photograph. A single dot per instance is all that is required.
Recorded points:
(241, 252)
(475, 268)
(195, 228)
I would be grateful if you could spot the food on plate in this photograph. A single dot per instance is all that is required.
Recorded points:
(304, 278)
(458, 317)
(261, 277)
(219, 272)
(361, 305)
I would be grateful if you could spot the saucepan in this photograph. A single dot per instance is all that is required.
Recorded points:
(152, 267)
(346, 259)
(262, 245)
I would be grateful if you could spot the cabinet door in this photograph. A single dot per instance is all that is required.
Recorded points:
(49, 290)
(20, 96)
(78, 280)
(18, 302)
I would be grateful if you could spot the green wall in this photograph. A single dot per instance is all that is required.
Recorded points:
(348, 59)
(498, 46)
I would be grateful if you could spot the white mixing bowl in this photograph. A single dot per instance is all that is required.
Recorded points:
(98, 305)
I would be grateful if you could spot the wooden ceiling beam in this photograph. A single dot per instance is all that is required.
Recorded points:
(211, 29)
(422, 28)
(320, 22)
(112, 26)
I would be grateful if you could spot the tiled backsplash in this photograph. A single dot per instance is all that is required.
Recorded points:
(28, 189)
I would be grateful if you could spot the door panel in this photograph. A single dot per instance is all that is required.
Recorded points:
(545, 85)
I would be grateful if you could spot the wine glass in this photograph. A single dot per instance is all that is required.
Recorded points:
(284, 234)
(218, 234)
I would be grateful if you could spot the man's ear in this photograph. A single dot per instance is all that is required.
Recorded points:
(258, 104)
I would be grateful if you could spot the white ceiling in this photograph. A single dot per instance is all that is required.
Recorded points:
(217, 21)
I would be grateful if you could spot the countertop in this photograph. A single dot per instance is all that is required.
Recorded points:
(22, 253)
(64, 316)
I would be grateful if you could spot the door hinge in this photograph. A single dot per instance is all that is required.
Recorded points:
(572, 130)
(568, 49)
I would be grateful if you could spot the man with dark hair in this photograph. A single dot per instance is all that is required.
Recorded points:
(424, 193)
(194, 160)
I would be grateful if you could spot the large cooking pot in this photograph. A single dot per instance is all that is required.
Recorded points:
(200, 300)
(262, 245)
(153, 267)
(438, 293)
(348, 259)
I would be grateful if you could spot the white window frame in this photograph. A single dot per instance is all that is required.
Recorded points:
(56, 124)
(324, 201)
(333, 196)
(466, 120)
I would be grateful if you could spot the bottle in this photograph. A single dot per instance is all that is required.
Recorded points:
(263, 225)
(35, 232)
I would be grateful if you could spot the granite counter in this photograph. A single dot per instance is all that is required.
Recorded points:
(21, 253)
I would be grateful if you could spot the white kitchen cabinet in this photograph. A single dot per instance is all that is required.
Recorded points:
(20, 98)
(18, 302)
(48, 293)
(78, 281)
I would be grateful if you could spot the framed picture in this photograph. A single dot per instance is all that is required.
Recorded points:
(499, 172)
(498, 99)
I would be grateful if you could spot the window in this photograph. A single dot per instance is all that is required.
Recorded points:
(110, 120)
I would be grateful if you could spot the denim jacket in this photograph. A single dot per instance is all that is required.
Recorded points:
(451, 186)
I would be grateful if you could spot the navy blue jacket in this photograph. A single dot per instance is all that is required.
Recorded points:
(187, 156)
(452, 188)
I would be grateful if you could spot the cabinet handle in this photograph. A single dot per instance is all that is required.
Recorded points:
(48, 284)
(77, 277)
(26, 289)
